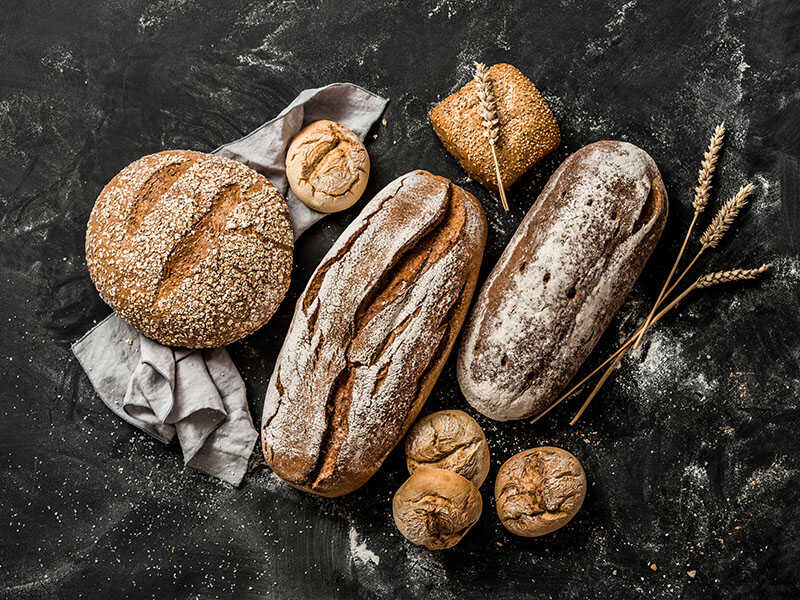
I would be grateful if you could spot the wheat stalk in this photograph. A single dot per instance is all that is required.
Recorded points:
(729, 276)
(725, 217)
(708, 280)
(707, 168)
(701, 193)
(490, 121)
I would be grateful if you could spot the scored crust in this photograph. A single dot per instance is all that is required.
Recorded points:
(191, 249)
(371, 333)
(436, 508)
(450, 440)
(528, 129)
(327, 166)
(539, 490)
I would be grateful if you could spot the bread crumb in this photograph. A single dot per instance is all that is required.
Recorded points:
(129, 341)
(653, 567)
(692, 574)
(383, 122)
(614, 572)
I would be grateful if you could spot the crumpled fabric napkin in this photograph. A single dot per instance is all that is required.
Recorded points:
(198, 396)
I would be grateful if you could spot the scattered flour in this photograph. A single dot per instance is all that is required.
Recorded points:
(360, 551)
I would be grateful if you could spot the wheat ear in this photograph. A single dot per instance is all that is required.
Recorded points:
(726, 216)
(705, 281)
(729, 276)
(701, 193)
(720, 225)
(490, 121)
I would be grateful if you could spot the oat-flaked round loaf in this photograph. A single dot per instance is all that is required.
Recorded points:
(450, 440)
(191, 249)
(539, 490)
(327, 166)
(436, 508)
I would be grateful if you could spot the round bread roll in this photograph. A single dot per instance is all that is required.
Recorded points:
(539, 490)
(450, 440)
(327, 166)
(436, 508)
(191, 249)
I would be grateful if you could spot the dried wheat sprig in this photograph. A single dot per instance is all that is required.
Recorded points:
(704, 176)
(729, 276)
(708, 280)
(707, 168)
(726, 216)
(490, 121)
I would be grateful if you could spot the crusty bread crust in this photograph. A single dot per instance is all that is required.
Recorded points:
(528, 129)
(327, 166)
(561, 279)
(539, 491)
(191, 249)
(371, 333)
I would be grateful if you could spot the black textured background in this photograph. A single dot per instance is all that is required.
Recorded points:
(692, 448)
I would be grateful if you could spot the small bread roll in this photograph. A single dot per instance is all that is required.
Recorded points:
(436, 508)
(327, 166)
(450, 440)
(539, 490)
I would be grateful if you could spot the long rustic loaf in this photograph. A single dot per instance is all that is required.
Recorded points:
(191, 249)
(561, 279)
(371, 333)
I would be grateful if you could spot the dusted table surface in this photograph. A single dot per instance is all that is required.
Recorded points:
(691, 450)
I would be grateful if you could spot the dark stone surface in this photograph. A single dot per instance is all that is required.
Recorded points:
(691, 450)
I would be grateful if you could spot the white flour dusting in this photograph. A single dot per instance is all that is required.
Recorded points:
(360, 551)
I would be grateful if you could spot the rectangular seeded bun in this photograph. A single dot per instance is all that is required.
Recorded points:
(528, 129)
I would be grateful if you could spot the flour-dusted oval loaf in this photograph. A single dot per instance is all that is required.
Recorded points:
(561, 279)
(191, 249)
(371, 333)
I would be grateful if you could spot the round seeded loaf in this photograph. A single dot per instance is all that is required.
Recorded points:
(191, 249)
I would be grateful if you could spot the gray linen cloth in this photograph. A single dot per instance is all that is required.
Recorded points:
(198, 396)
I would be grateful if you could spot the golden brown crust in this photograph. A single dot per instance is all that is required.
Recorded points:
(449, 440)
(528, 129)
(371, 333)
(327, 166)
(191, 249)
(436, 508)
(539, 490)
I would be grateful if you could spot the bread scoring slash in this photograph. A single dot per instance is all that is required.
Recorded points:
(371, 332)
(191, 249)
(561, 279)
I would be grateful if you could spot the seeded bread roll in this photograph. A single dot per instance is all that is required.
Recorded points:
(539, 490)
(561, 279)
(450, 440)
(371, 333)
(436, 508)
(191, 249)
(527, 128)
(327, 166)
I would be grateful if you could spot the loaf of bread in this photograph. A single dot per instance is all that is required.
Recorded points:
(539, 490)
(371, 333)
(527, 128)
(449, 440)
(561, 279)
(191, 249)
(436, 508)
(327, 166)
